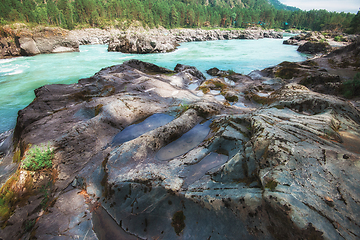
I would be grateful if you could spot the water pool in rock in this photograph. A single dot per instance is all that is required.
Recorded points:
(106, 228)
(133, 131)
(185, 143)
(194, 172)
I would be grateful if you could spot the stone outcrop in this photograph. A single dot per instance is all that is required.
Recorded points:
(317, 42)
(326, 74)
(137, 155)
(9, 48)
(162, 40)
(151, 42)
(94, 35)
(315, 47)
(24, 42)
(47, 40)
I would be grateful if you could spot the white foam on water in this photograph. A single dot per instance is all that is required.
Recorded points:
(18, 71)
(6, 60)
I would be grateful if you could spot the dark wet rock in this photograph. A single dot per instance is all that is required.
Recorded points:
(213, 71)
(147, 67)
(323, 83)
(288, 169)
(315, 47)
(218, 73)
(191, 70)
(9, 47)
(5, 142)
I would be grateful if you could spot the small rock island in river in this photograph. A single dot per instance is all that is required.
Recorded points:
(135, 154)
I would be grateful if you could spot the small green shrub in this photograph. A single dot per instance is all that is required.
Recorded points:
(231, 72)
(45, 191)
(183, 107)
(351, 88)
(38, 158)
(338, 38)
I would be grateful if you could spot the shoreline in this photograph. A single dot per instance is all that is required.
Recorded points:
(22, 41)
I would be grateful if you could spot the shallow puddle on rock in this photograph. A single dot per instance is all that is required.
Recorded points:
(350, 141)
(106, 228)
(185, 143)
(133, 131)
(193, 86)
(240, 104)
(199, 93)
(220, 98)
(215, 92)
(229, 82)
(194, 172)
(263, 94)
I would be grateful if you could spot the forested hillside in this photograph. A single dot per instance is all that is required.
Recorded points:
(278, 5)
(169, 13)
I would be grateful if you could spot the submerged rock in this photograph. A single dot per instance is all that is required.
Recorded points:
(288, 169)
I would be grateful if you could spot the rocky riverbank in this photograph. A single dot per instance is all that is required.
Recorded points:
(137, 155)
(163, 40)
(20, 41)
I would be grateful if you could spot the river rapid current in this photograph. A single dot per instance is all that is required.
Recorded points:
(20, 76)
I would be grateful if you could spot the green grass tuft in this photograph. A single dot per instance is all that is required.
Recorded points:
(38, 158)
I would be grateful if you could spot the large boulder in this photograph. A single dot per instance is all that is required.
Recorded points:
(143, 42)
(47, 40)
(315, 47)
(25, 42)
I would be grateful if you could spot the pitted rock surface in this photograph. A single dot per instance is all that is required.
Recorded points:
(280, 162)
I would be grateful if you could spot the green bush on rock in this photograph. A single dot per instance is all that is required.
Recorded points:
(38, 158)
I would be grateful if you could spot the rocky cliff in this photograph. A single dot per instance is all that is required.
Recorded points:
(137, 155)
(21, 41)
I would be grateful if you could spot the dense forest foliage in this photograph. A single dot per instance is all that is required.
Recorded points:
(170, 13)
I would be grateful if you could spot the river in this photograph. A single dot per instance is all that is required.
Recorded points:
(20, 76)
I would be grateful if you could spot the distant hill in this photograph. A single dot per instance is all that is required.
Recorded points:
(278, 5)
(72, 14)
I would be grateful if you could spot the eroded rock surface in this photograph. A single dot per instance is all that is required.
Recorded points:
(260, 158)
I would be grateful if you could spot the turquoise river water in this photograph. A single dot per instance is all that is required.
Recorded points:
(20, 76)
